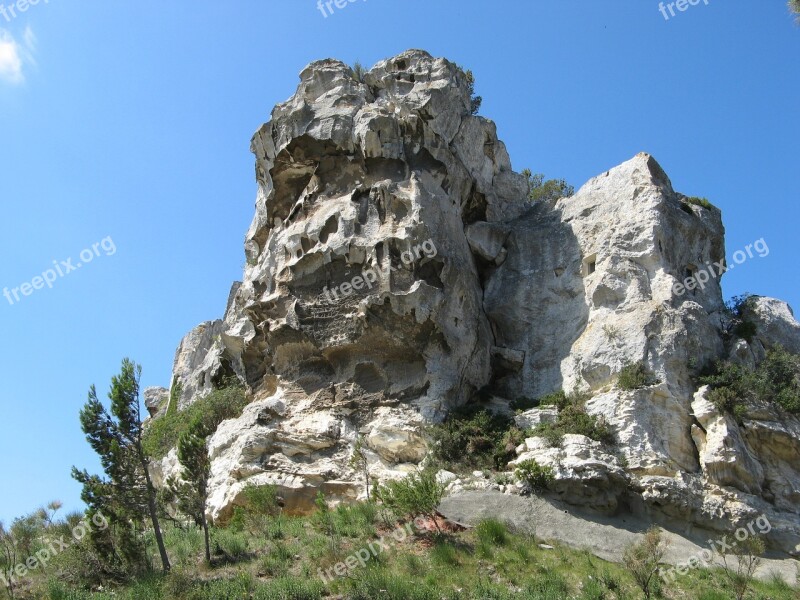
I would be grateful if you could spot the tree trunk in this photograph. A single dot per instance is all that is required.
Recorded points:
(208, 543)
(151, 505)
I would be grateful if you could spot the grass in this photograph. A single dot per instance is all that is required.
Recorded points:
(488, 562)
(162, 433)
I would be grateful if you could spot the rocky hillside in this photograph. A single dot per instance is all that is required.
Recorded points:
(395, 269)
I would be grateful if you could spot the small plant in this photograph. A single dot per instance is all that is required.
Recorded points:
(612, 333)
(558, 399)
(475, 100)
(634, 377)
(572, 418)
(737, 308)
(544, 190)
(538, 477)
(358, 72)
(360, 463)
(474, 438)
(696, 201)
(492, 532)
(503, 479)
(444, 553)
(231, 544)
(747, 557)
(642, 560)
(419, 494)
(323, 519)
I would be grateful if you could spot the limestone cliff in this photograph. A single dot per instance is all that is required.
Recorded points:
(394, 268)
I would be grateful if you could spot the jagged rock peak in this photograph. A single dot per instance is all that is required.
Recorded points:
(395, 268)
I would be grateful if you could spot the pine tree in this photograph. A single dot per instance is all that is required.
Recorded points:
(126, 495)
(191, 492)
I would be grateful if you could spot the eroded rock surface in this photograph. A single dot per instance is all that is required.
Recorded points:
(394, 268)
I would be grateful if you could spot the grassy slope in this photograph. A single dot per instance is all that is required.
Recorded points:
(280, 558)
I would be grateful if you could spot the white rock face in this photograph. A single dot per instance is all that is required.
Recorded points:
(775, 323)
(155, 400)
(535, 417)
(394, 269)
(584, 473)
(724, 456)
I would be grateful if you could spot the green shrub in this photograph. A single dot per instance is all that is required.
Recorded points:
(147, 588)
(592, 590)
(543, 190)
(56, 590)
(358, 72)
(642, 560)
(736, 308)
(558, 399)
(553, 436)
(572, 418)
(419, 494)
(634, 377)
(259, 515)
(473, 438)
(696, 201)
(775, 380)
(538, 477)
(262, 499)
(162, 434)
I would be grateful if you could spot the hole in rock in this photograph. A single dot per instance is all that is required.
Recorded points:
(589, 265)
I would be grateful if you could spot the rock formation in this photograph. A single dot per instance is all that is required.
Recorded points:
(394, 268)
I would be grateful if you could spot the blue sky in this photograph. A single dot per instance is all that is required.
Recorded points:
(132, 120)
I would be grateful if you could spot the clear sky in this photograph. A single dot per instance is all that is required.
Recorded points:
(130, 122)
